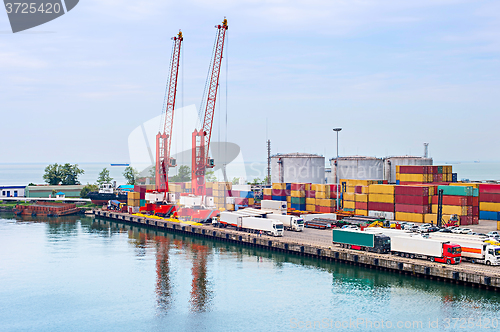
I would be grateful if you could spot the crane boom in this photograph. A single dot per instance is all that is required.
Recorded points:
(201, 138)
(164, 138)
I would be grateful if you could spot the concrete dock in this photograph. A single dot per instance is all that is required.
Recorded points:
(317, 243)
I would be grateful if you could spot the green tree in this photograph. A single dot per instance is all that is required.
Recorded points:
(53, 174)
(210, 176)
(236, 180)
(130, 174)
(87, 189)
(183, 175)
(66, 174)
(70, 173)
(104, 176)
(255, 181)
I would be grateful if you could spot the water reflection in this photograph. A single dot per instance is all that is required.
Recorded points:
(163, 284)
(200, 287)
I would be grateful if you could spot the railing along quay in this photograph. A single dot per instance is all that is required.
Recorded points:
(475, 277)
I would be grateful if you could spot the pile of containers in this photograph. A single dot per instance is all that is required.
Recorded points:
(489, 197)
(423, 174)
(298, 195)
(413, 203)
(381, 198)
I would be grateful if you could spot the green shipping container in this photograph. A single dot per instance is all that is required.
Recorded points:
(355, 238)
(349, 210)
(440, 169)
(298, 200)
(142, 202)
(457, 190)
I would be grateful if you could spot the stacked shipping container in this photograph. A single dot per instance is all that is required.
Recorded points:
(489, 197)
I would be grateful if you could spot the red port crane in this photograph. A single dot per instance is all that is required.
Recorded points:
(164, 138)
(201, 138)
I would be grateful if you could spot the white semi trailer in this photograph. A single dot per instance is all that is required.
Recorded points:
(293, 223)
(252, 224)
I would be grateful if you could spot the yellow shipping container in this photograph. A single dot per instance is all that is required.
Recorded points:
(381, 198)
(349, 197)
(326, 202)
(473, 185)
(268, 191)
(321, 187)
(361, 212)
(487, 206)
(411, 217)
(223, 185)
(230, 207)
(297, 193)
(412, 177)
(251, 201)
(308, 186)
(381, 189)
(448, 169)
(397, 176)
(430, 178)
(432, 218)
(349, 205)
(310, 201)
(133, 202)
(187, 185)
(360, 197)
(280, 186)
(322, 194)
(289, 199)
(209, 185)
(133, 195)
(350, 189)
(451, 209)
(310, 207)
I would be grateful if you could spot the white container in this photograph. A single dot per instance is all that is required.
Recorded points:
(381, 214)
(417, 245)
(274, 205)
(242, 187)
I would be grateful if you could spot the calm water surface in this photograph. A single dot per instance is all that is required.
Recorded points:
(84, 274)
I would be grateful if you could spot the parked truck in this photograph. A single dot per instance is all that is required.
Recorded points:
(293, 223)
(474, 250)
(418, 246)
(252, 224)
(353, 239)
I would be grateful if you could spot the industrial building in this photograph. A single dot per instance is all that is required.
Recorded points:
(49, 191)
(298, 167)
(372, 168)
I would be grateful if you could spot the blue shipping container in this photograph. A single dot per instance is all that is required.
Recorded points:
(279, 198)
(397, 181)
(246, 194)
(288, 186)
(454, 177)
(489, 215)
(300, 207)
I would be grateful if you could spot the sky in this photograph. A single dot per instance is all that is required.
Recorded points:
(393, 74)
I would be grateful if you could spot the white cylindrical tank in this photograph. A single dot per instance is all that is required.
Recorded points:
(298, 167)
(357, 168)
(390, 164)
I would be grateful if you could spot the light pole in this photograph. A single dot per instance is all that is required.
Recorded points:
(337, 165)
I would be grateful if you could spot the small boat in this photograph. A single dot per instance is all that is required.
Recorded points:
(107, 193)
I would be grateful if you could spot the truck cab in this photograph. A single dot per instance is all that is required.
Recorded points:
(298, 223)
(492, 255)
(382, 243)
(452, 254)
(277, 229)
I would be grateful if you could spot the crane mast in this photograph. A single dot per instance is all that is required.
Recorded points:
(201, 138)
(164, 138)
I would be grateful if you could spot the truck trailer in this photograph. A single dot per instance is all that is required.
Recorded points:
(354, 239)
(293, 223)
(473, 250)
(418, 246)
(251, 224)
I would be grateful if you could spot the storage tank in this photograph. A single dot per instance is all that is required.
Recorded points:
(390, 164)
(298, 167)
(357, 168)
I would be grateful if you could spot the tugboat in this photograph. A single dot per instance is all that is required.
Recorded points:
(107, 193)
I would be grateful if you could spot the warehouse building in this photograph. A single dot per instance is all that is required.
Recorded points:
(46, 191)
(12, 191)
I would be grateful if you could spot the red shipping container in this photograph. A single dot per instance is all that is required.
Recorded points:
(438, 178)
(451, 200)
(361, 205)
(492, 198)
(413, 200)
(267, 197)
(386, 207)
(278, 192)
(318, 208)
(235, 193)
(298, 186)
(475, 201)
(358, 189)
(241, 201)
(465, 220)
(403, 169)
(209, 191)
(489, 188)
(326, 209)
(411, 190)
(310, 194)
(412, 208)
(333, 188)
(475, 211)
(475, 220)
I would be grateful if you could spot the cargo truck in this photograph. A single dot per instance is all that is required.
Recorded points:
(293, 223)
(418, 246)
(353, 239)
(474, 250)
(251, 224)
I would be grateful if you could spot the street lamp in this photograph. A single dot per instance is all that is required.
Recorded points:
(337, 165)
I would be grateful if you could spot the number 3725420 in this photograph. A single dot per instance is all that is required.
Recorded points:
(32, 8)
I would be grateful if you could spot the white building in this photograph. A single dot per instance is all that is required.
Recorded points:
(12, 191)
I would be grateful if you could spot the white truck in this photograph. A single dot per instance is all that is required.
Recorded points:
(474, 250)
(274, 205)
(277, 210)
(251, 224)
(417, 246)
